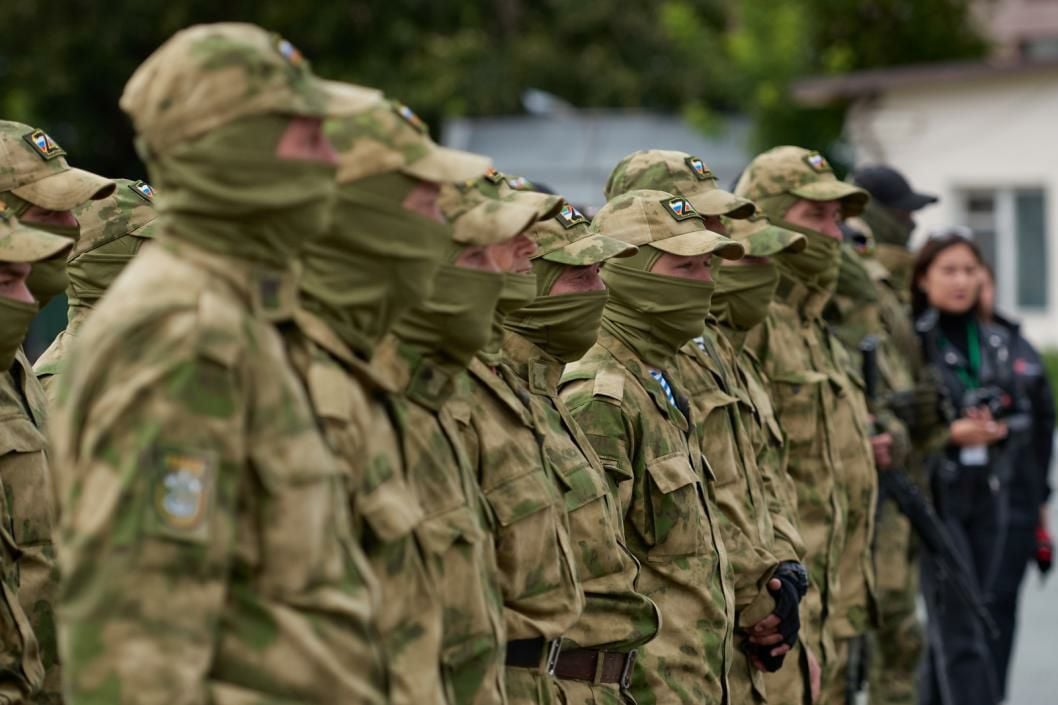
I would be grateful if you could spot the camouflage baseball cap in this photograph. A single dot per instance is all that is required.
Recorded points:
(388, 136)
(798, 172)
(488, 209)
(129, 211)
(664, 221)
(33, 167)
(762, 239)
(567, 239)
(21, 243)
(680, 174)
(209, 75)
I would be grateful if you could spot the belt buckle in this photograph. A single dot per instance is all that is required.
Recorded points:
(626, 672)
(554, 649)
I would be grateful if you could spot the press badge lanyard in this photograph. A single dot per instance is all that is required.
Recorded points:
(970, 377)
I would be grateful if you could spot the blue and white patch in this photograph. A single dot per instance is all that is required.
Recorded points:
(699, 169)
(818, 163)
(409, 116)
(519, 183)
(289, 52)
(680, 208)
(143, 190)
(45, 147)
(570, 216)
(183, 492)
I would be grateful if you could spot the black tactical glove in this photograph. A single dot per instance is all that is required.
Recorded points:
(788, 596)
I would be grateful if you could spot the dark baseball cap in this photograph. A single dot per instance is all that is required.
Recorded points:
(890, 188)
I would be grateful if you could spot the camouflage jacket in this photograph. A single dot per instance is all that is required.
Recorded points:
(51, 362)
(454, 529)
(819, 398)
(615, 617)
(351, 403)
(204, 530)
(541, 595)
(649, 447)
(28, 647)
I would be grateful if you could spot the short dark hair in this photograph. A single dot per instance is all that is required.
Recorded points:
(924, 260)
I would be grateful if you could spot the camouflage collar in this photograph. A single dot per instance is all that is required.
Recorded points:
(531, 364)
(641, 373)
(407, 370)
(808, 303)
(481, 375)
(271, 295)
(323, 336)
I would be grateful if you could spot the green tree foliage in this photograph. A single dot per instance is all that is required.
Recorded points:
(63, 64)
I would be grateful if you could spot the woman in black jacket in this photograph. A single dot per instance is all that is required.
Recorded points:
(971, 360)
(1029, 487)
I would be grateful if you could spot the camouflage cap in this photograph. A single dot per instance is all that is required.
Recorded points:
(21, 243)
(209, 75)
(129, 211)
(663, 221)
(762, 239)
(799, 172)
(388, 136)
(488, 209)
(34, 168)
(567, 239)
(680, 174)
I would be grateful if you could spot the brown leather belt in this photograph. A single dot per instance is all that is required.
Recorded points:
(534, 653)
(596, 666)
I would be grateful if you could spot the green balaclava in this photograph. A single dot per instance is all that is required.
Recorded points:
(744, 293)
(91, 273)
(653, 314)
(563, 326)
(817, 265)
(885, 226)
(376, 262)
(519, 290)
(854, 281)
(456, 321)
(47, 279)
(228, 192)
(15, 317)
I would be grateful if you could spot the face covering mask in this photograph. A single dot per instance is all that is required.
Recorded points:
(376, 262)
(563, 326)
(47, 279)
(91, 273)
(853, 278)
(519, 290)
(817, 265)
(886, 226)
(653, 314)
(455, 322)
(228, 192)
(15, 317)
(743, 294)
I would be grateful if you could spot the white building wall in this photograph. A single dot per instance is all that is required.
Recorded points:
(975, 133)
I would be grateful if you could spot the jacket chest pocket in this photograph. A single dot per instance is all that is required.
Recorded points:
(715, 408)
(302, 520)
(593, 523)
(671, 516)
(25, 476)
(797, 400)
(528, 544)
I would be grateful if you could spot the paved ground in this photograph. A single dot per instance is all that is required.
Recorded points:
(1034, 676)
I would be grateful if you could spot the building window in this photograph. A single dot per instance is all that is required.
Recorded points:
(1010, 226)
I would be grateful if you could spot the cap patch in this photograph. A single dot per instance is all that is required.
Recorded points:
(289, 52)
(143, 190)
(570, 216)
(680, 208)
(818, 163)
(492, 175)
(44, 145)
(519, 183)
(409, 116)
(701, 172)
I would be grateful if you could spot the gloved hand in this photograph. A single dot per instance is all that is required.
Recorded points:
(793, 585)
(1044, 550)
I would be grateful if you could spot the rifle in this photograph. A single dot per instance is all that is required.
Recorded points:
(897, 486)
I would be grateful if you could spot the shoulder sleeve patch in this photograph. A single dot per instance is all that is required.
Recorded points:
(183, 486)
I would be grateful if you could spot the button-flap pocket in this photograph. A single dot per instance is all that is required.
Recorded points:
(717, 436)
(674, 520)
(582, 486)
(440, 532)
(671, 473)
(521, 497)
(20, 436)
(390, 508)
(797, 399)
(331, 392)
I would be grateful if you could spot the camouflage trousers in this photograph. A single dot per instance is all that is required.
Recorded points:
(789, 685)
(571, 692)
(896, 646)
(745, 684)
(836, 676)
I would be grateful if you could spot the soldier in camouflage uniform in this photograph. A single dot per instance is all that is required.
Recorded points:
(41, 189)
(628, 398)
(27, 579)
(820, 402)
(38, 184)
(542, 598)
(431, 349)
(375, 262)
(717, 391)
(559, 326)
(112, 230)
(204, 535)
